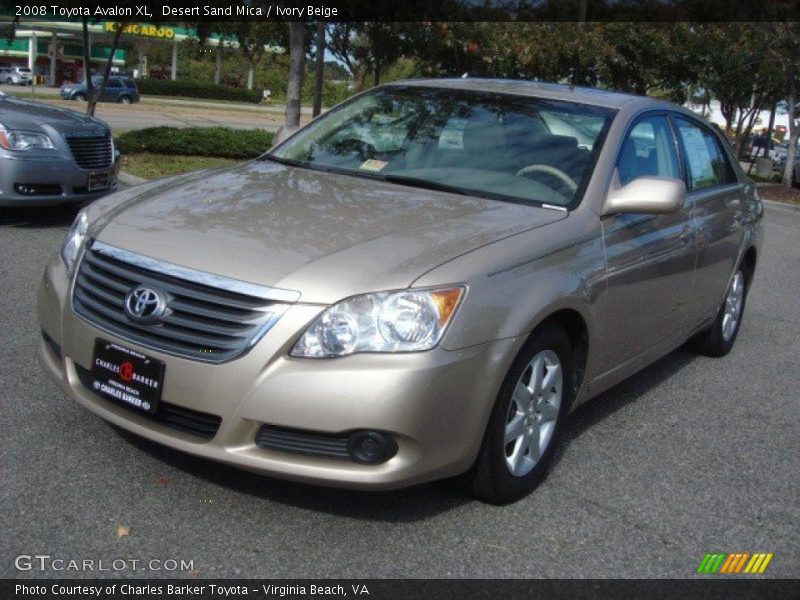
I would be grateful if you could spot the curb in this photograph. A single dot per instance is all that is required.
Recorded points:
(781, 205)
(129, 179)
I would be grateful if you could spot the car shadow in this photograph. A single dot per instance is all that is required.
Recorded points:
(411, 504)
(40, 217)
(396, 506)
(624, 393)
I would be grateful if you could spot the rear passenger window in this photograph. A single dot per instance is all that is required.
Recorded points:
(648, 151)
(707, 165)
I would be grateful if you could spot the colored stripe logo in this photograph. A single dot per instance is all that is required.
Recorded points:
(733, 564)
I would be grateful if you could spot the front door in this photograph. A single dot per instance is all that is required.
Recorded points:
(650, 258)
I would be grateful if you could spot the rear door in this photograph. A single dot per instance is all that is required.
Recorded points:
(650, 258)
(113, 89)
(718, 199)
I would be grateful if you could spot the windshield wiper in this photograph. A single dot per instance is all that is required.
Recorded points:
(426, 184)
(283, 161)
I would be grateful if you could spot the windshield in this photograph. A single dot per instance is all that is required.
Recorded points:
(494, 145)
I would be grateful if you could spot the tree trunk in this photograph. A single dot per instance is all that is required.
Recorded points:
(87, 70)
(297, 60)
(376, 79)
(794, 130)
(319, 69)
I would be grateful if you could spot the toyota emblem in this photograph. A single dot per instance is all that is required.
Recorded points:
(145, 304)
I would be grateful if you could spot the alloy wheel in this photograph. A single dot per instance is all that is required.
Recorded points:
(533, 412)
(732, 310)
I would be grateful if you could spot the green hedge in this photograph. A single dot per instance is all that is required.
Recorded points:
(167, 87)
(222, 142)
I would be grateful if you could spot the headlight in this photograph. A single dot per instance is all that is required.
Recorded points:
(403, 321)
(11, 139)
(74, 242)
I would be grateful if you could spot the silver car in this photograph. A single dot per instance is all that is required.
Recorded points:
(16, 75)
(51, 156)
(420, 284)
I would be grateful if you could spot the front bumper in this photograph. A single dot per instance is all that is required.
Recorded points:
(434, 404)
(62, 173)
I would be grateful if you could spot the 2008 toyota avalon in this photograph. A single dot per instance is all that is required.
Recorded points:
(422, 283)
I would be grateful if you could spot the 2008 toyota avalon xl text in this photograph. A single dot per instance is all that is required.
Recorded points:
(420, 284)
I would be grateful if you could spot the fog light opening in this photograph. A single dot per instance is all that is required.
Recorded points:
(371, 447)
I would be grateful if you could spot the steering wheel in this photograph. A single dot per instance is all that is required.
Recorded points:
(568, 181)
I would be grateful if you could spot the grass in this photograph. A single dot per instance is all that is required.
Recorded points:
(152, 166)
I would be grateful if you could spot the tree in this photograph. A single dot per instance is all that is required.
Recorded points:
(254, 38)
(369, 47)
(91, 96)
(785, 50)
(319, 68)
(297, 62)
(738, 70)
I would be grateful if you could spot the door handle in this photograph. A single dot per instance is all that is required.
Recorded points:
(688, 234)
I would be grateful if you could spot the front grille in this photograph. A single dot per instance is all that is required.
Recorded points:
(91, 152)
(189, 421)
(212, 323)
(297, 441)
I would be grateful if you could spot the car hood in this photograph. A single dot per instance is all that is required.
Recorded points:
(325, 235)
(22, 114)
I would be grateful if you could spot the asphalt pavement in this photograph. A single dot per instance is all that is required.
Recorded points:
(692, 455)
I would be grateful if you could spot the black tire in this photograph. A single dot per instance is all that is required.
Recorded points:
(79, 97)
(10, 81)
(490, 479)
(712, 342)
(125, 100)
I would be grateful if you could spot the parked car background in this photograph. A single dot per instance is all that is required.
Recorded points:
(51, 155)
(16, 75)
(118, 89)
(757, 148)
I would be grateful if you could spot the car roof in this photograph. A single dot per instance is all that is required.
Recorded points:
(553, 91)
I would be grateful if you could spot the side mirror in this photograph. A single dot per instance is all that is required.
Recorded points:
(648, 195)
(282, 134)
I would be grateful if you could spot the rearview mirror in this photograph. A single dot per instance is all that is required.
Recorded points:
(648, 195)
(283, 133)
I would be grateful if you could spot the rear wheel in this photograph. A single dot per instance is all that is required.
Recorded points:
(527, 420)
(719, 339)
(125, 100)
(10, 81)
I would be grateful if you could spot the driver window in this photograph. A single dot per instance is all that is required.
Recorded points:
(649, 150)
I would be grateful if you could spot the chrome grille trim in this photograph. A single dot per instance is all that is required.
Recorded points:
(199, 277)
(91, 151)
(208, 318)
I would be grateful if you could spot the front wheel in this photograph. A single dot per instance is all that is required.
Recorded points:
(125, 100)
(719, 339)
(527, 420)
(79, 97)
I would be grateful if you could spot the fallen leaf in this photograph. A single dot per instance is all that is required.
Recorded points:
(123, 531)
(162, 480)
(194, 573)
